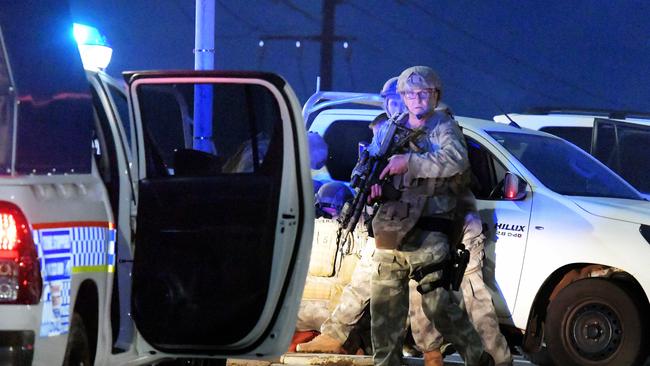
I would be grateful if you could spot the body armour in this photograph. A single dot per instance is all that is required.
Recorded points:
(437, 174)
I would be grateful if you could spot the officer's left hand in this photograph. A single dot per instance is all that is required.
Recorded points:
(397, 164)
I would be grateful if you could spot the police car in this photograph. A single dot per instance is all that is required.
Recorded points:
(132, 232)
(617, 138)
(568, 239)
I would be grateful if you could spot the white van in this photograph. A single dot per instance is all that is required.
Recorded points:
(123, 240)
(618, 139)
(568, 239)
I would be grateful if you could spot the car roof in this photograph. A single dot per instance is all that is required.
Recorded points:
(568, 119)
(368, 104)
(477, 124)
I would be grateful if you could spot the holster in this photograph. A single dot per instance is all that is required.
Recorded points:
(453, 271)
(458, 265)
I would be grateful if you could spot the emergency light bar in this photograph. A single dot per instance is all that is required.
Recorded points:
(95, 51)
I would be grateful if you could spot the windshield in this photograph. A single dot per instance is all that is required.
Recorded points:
(564, 168)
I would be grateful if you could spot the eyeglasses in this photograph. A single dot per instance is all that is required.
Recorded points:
(422, 94)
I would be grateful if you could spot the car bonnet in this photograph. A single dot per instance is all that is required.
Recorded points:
(634, 211)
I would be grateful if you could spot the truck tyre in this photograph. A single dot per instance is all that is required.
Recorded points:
(594, 322)
(77, 351)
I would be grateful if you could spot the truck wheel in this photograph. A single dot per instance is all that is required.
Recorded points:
(594, 322)
(77, 351)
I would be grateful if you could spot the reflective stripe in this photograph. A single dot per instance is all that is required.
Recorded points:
(86, 269)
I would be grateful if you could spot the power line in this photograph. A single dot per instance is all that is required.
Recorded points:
(505, 54)
(440, 48)
(240, 18)
(397, 56)
(326, 38)
(290, 4)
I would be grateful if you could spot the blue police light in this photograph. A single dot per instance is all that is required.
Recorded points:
(93, 47)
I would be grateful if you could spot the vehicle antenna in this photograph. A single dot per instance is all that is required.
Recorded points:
(512, 122)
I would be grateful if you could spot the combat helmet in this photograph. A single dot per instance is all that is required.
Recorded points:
(390, 87)
(388, 91)
(331, 197)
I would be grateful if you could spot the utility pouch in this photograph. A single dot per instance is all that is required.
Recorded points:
(395, 219)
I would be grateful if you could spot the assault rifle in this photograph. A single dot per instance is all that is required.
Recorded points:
(396, 138)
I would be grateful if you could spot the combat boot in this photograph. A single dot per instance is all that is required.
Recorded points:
(433, 358)
(321, 344)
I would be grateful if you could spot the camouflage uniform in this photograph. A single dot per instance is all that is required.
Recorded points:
(437, 159)
(353, 300)
(476, 300)
(475, 297)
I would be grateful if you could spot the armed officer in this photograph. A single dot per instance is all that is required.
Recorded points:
(356, 295)
(411, 232)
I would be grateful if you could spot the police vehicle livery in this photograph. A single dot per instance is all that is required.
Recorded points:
(132, 231)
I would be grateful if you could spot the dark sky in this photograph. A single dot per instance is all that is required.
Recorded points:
(508, 55)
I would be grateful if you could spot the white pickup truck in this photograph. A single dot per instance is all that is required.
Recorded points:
(121, 242)
(568, 239)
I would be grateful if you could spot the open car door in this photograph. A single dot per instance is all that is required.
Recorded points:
(622, 146)
(224, 212)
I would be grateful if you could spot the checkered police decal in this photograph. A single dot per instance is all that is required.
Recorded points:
(64, 249)
(93, 246)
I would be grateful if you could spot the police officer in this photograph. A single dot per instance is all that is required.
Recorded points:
(476, 298)
(473, 294)
(330, 198)
(411, 233)
(356, 295)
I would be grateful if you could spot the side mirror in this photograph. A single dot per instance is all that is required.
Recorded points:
(514, 188)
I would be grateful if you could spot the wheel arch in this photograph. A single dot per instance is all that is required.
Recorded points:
(561, 278)
(87, 306)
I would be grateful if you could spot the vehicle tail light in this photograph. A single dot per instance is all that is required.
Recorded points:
(20, 274)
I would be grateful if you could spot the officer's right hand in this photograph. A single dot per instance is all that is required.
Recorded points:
(375, 193)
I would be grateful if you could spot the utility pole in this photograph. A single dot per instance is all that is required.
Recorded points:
(203, 60)
(327, 38)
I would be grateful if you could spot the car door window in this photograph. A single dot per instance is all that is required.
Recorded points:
(487, 171)
(242, 136)
(343, 138)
